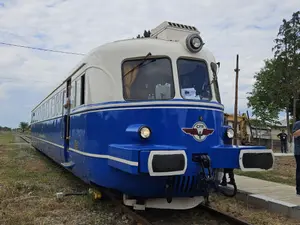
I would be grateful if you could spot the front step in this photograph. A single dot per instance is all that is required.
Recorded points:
(178, 203)
(68, 165)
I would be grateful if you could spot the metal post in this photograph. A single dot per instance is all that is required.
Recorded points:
(294, 107)
(236, 100)
(251, 134)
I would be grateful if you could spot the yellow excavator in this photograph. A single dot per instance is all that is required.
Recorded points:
(242, 133)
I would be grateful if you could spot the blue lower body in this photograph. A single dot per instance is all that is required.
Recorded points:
(133, 166)
(126, 169)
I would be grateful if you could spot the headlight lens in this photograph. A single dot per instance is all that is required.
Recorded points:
(230, 133)
(145, 132)
(196, 42)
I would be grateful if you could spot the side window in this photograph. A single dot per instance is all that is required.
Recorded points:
(51, 107)
(73, 95)
(82, 90)
(47, 108)
(42, 110)
(64, 101)
(61, 101)
(151, 81)
(57, 104)
(78, 89)
(54, 106)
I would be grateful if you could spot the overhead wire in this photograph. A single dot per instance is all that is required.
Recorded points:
(40, 49)
(13, 79)
(9, 79)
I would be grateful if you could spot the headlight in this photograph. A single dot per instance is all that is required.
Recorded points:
(145, 132)
(194, 43)
(230, 133)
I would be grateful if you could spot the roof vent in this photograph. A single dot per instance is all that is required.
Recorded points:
(173, 31)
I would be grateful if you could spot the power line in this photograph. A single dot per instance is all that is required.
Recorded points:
(40, 49)
(13, 79)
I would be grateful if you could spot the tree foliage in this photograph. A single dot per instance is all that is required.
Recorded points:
(146, 34)
(24, 126)
(5, 128)
(278, 82)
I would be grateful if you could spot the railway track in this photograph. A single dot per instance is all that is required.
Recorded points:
(141, 220)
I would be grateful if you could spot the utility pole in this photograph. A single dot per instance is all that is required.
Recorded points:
(236, 100)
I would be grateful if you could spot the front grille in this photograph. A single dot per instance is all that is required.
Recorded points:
(184, 184)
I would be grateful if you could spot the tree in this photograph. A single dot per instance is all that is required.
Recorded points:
(287, 53)
(277, 85)
(264, 99)
(24, 126)
(146, 34)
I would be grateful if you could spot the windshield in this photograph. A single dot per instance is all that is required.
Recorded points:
(193, 79)
(153, 80)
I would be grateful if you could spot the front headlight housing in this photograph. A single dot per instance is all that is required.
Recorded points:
(194, 43)
(145, 132)
(230, 133)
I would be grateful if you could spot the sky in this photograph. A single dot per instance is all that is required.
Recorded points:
(230, 27)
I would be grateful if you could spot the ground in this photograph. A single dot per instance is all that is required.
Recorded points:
(29, 182)
(284, 171)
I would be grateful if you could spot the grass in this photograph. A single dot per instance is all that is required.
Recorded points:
(284, 171)
(6, 138)
(28, 183)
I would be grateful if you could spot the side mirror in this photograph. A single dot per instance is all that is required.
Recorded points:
(214, 67)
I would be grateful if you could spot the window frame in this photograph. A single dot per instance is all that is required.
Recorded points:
(148, 58)
(179, 82)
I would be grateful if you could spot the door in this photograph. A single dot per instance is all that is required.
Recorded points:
(66, 120)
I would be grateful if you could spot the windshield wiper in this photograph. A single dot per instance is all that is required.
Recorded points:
(138, 65)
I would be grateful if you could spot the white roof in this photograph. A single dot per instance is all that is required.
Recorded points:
(111, 55)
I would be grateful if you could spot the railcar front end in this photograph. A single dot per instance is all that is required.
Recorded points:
(175, 137)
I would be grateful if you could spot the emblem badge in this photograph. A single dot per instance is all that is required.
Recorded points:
(199, 131)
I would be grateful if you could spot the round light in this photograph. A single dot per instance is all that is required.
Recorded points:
(230, 133)
(145, 132)
(196, 42)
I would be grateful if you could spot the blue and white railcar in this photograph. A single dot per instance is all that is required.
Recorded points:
(145, 119)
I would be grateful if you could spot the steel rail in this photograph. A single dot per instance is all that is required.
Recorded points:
(224, 216)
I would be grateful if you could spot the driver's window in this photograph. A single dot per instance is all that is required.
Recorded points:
(194, 79)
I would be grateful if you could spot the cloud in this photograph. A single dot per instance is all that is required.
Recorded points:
(228, 27)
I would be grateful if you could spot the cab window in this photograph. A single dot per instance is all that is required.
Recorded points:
(193, 79)
(150, 79)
